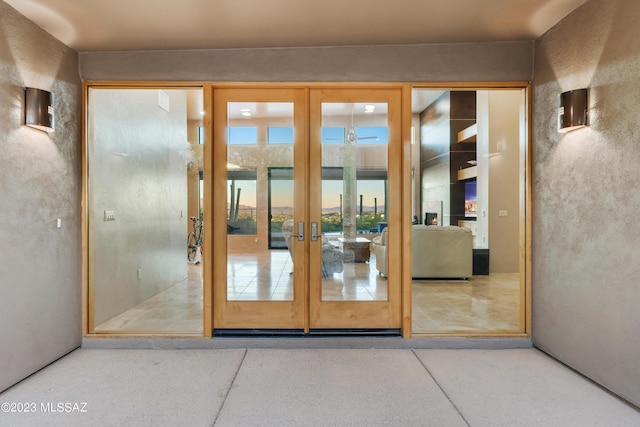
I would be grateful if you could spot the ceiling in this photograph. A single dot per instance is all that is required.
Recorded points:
(121, 25)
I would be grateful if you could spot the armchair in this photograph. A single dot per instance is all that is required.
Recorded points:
(438, 252)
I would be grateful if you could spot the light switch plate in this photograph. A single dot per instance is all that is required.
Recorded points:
(109, 215)
(164, 101)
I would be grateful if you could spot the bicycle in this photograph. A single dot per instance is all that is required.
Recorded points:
(194, 240)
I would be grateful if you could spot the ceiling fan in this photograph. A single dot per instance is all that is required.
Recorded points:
(351, 135)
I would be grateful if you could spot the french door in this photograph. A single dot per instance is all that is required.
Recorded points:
(319, 170)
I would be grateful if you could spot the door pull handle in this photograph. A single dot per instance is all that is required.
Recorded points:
(300, 234)
(314, 232)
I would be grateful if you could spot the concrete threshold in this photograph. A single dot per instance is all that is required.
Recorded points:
(305, 342)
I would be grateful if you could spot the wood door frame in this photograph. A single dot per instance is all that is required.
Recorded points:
(370, 314)
(88, 290)
(248, 314)
(525, 186)
(208, 271)
(358, 314)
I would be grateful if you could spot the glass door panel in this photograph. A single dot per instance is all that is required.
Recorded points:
(259, 137)
(256, 272)
(354, 174)
(354, 133)
(321, 191)
(470, 158)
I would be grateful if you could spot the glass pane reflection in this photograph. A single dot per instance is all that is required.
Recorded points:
(354, 185)
(259, 201)
(469, 163)
(145, 165)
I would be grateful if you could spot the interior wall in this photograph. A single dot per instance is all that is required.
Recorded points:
(484, 118)
(504, 180)
(138, 162)
(40, 181)
(586, 261)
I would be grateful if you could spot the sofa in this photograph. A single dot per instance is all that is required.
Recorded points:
(438, 252)
(332, 257)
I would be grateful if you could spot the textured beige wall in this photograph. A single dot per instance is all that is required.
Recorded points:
(585, 260)
(477, 62)
(40, 177)
(586, 244)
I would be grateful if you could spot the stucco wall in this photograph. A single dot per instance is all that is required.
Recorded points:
(475, 62)
(40, 177)
(586, 257)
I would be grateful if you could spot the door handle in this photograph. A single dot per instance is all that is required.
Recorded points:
(314, 231)
(300, 234)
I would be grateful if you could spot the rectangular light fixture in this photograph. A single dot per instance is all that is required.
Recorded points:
(573, 112)
(38, 109)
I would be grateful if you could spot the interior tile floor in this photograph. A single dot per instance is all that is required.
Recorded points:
(178, 309)
(263, 276)
(267, 276)
(312, 387)
(482, 303)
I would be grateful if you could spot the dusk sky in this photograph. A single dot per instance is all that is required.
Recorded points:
(282, 193)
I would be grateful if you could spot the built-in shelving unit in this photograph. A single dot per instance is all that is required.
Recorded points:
(449, 159)
(467, 173)
(469, 134)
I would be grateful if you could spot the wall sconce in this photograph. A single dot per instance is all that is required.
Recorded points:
(38, 109)
(573, 112)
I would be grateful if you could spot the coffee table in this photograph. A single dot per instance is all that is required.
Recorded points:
(355, 249)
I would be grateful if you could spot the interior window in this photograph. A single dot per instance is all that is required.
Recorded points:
(280, 135)
(243, 135)
(241, 212)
